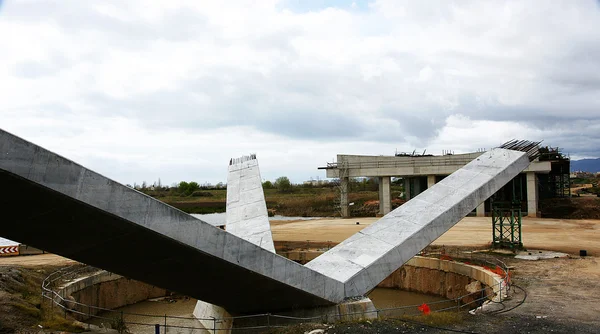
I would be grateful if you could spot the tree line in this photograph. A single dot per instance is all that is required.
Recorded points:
(282, 184)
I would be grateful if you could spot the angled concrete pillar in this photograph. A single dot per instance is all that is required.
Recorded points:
(344, 197)
(365, 259)
(430, 181)
(481, 209)
(385, 195)
(532, 195)
(407, 188)
(246, 215)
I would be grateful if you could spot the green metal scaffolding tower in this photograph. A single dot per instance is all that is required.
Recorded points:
(507, 216)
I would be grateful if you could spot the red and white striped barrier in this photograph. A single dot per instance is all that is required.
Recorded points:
(9, 250)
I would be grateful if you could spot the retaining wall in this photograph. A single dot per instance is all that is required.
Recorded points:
(107, 290)
(443, 278)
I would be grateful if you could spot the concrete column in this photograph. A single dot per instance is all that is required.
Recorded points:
(407, 188)
(430, 181)
(481, 209)
(344, 197)
(532, 195)
(385, 195)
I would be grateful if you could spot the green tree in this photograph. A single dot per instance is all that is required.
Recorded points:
(267, 185)
(283, 184)
(192, 186)
(183, 187)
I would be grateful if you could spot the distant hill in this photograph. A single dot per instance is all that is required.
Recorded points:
(586, 165)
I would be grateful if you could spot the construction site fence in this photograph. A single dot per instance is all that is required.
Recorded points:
(257, 323)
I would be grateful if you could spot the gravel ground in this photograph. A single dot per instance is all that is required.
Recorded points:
(489, 324)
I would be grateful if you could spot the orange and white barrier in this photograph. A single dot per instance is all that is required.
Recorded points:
(9, 250)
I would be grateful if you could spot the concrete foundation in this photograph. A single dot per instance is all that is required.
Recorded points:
(356, 309)
(106, 290)
(214, 318)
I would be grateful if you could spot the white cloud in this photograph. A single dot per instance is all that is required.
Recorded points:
(146, 89)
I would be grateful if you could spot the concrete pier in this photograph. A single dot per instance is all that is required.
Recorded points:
(532, 195)
(480, 211)
(385, 195)
(430, 181)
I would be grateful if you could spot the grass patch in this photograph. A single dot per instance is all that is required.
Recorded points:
(58, 323)
(26, 310)
(119, 325)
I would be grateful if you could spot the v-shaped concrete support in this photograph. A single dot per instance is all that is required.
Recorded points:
(55, 204)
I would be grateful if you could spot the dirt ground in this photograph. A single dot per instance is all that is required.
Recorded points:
(35, 260)
(564, 290)
(561, 293)
(550, 234)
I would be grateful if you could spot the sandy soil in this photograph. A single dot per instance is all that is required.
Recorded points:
(35, 260)
(551, 234)
(574, 190)
(560, 289)
(563, 290)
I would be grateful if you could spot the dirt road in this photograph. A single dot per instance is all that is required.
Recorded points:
(550, 234)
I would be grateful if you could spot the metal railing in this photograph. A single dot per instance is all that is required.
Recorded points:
(249, 323)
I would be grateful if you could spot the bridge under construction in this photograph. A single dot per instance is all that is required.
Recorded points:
(60, 206)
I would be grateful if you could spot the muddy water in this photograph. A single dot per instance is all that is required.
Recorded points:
(153, 312)
(148, 313)
(218, 219)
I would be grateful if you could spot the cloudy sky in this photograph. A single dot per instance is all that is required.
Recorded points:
(140, 90)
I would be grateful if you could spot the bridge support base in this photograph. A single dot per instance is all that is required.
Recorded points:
(215, 319)
(361, 308)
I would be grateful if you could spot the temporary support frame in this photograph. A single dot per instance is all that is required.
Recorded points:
(506, 221)
(507, 217)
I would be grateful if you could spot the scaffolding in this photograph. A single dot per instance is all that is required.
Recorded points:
(557, 183)
(506, 221)
(507, 216)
